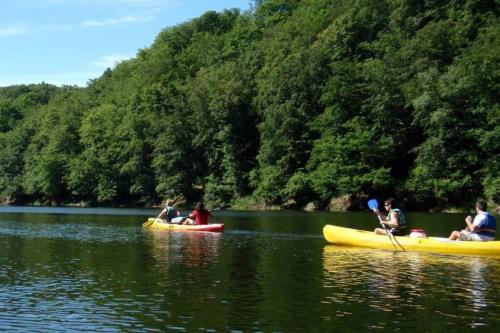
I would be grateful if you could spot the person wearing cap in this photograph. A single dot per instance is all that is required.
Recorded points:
(482, 228)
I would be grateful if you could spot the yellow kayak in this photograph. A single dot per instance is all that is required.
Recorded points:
(352, 237)
(159, 224)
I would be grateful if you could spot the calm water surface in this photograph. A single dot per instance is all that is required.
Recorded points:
(97, 270)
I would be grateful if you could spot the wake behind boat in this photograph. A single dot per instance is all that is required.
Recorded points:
(353, 237)
(159, 224)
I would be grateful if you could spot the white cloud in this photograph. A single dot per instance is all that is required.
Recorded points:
(110, 60)
(120, 20)
(14, 30)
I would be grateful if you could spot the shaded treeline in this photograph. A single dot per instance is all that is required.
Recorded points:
(304, 100)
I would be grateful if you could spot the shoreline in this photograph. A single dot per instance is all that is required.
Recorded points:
(257, 208)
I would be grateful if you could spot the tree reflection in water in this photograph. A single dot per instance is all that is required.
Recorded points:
(411, 289)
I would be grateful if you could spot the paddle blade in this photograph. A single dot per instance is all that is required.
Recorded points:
(223, 207)
(149, 222)
(373, 204)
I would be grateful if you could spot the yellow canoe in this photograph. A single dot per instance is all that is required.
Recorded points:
(159, 224)
(352, 237)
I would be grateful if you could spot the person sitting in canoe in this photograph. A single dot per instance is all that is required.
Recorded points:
(395, 219)
(169, 211)
(200, 215)
(482, 228)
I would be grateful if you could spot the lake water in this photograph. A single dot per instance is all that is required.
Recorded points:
(97, 270)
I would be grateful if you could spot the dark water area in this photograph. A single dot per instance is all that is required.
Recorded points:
(97, 270)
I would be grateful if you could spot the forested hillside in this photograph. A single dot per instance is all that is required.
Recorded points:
(293, 101)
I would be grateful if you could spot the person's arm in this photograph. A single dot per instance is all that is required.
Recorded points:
(470, 225)
(380, 215)
(394, 220)
(162, 213)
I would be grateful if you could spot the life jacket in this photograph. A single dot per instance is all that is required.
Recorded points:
(171, 213)
(402, 218)
(488, 226)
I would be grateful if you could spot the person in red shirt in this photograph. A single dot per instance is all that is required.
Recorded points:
(200, 215)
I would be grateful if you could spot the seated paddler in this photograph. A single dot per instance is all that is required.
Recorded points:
(482, 228)
(169, 212)
(394, 221)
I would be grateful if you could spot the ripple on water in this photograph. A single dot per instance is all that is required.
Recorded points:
(71, 231)
(403, 283)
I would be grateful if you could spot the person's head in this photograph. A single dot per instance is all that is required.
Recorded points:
(389, 203)
(482, 205)
(169, 202)
(199, 206)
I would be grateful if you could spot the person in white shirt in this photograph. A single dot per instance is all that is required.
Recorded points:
(482, 228)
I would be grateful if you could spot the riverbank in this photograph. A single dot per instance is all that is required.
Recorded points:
(251, 204)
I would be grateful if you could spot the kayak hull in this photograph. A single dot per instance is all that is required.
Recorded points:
(353, 237)
(159, 224)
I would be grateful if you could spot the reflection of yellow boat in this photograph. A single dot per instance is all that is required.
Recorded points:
(159, 224)
(352, 237)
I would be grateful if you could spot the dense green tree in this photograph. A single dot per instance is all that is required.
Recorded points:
(303, 100)
(225, 137)
(12, 146)
(53, 144)
(9, 114)
(458, 160)
(288, 93)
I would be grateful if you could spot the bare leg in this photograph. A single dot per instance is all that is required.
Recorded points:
(380, 231)
(454, 235)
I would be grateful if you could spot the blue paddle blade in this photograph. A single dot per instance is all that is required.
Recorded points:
(373, 204)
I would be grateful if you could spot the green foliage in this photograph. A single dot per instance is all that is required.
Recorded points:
(12, 146)
(302, 100)
(54, 143)
(459, 158)
(9, 114)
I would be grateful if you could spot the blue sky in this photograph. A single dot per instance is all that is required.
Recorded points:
(72, 41)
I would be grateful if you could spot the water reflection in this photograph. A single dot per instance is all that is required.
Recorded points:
(395, 286)
(479, 284)
(188, 248)
(266, 273)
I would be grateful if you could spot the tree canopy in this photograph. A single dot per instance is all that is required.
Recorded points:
(303, 100)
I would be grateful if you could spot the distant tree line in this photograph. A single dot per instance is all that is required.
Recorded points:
(291, 100)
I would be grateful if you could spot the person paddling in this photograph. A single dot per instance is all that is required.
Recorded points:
(395, 219)
(482, 228)
(200, 215)
(169, 211)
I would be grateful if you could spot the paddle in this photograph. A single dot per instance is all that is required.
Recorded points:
(178, 199)
(150, 222)
(373, 205)
(225, 206)
(181, 219)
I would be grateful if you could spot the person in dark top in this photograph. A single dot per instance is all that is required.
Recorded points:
(395, 221)
(169, 212)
